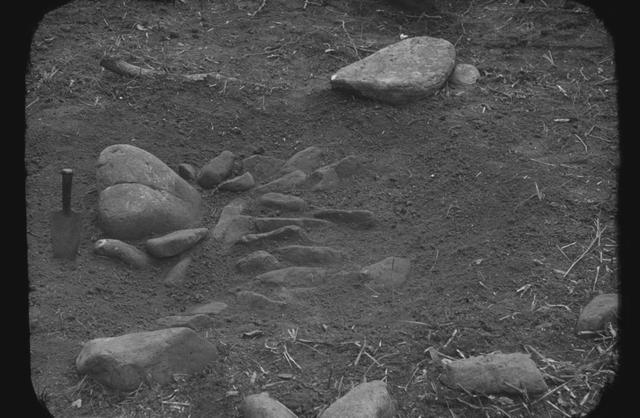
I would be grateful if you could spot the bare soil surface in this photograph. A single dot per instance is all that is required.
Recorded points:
(493, 192)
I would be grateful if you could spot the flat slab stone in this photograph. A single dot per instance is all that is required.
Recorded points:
(238, 184)
(126, 361)
(329, 176)
(177, 274)
(289, 232)
(210, 308)
(196, 322)
(367, 400)
(388, 273)
(306, 160)
(262, 167)
(304, 255)
(601, 310)
(355, 218)
(262, 405)
(282, 202)
(256, 300)
(287, 182)
(495, 373)
(269, 224)
(232, 225)
(294, 276)
(408, 70)
(464, 75)
(257, 262)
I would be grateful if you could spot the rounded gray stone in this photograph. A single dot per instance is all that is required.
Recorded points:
(141, 196)
(371, 399)
(408, 70)
(126, 361)
(495, 373)
(124, 163)
(262, 405)
(238, 184)
(464, 75)
(175, 242)
(216, 170)
(122, 251)
(601, 310)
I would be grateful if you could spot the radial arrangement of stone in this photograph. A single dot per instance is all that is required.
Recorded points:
(149, 213)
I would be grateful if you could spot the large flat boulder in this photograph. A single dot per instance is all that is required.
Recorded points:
(139, 195)
(124, 362)
(408, 70)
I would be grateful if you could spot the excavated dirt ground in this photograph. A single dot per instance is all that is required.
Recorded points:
(493, 192)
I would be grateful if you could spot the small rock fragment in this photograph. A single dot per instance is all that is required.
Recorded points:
(262, 167)
(390, 272)
(282, 202)
(306, 160)
(601, 310)
(177, 274)
(290, 232)
(122, 251)
(238, 184)
(464, 75)
(256, 300)
(355, 218)
(175, 242)
(216, 170)
(367, 400)
(263, 406)
(210, 308)
(309, 255)
(294, 276)
(495, 373)
(196, 322)
(257, 262)
(287, 182)
(187, 172)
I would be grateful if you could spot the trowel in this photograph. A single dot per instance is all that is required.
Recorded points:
(66, 225)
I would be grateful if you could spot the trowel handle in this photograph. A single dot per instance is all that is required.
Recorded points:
(67, 177)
